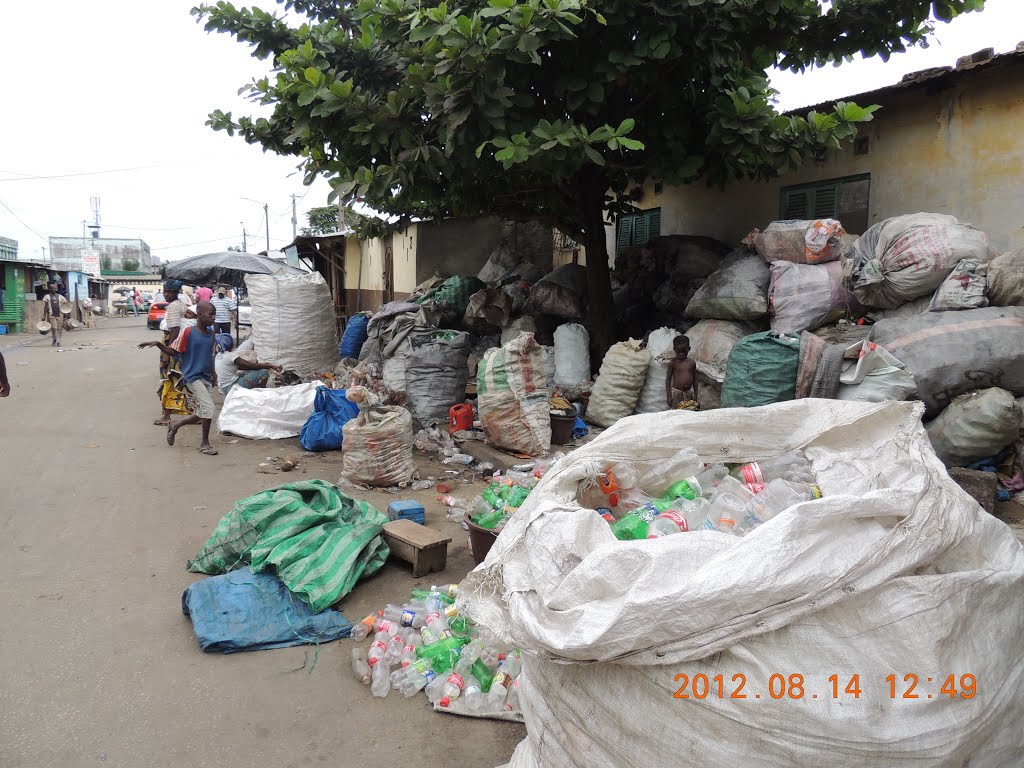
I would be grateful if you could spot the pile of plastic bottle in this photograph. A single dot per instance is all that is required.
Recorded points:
(686, 496)
(499, 501)
(427, 645)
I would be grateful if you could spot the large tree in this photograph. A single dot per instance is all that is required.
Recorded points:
(545, 109)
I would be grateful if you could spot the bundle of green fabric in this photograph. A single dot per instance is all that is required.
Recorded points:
(320, 541)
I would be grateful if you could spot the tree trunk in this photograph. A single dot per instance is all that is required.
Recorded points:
(602, 306)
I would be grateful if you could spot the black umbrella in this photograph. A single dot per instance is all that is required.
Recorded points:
(225, 268)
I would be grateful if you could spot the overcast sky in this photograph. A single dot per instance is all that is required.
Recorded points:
(111, 97)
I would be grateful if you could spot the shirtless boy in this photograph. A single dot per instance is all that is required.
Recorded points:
(681, 379)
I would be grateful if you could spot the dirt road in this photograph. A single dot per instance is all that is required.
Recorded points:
(98, 665)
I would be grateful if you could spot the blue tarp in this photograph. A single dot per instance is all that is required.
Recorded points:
(246, 611)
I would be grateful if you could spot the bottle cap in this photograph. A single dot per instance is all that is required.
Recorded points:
(445, 702)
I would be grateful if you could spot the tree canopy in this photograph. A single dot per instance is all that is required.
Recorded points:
(544, 109)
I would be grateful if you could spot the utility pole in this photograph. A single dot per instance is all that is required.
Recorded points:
(266, 217)
(244, 244)
(295, 222)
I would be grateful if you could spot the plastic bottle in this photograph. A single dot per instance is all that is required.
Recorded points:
(424, 595)
(395, 648)
(777, 496)
(459, 458)
(522, 479)
(409, 615)
(365, 627)
(727, 511)
(437, 622)
(413, 678)
(634, 524)
(683, 464)
(451, 590)
(453, 501)
(409, 650)
(387, 626)
(435, 689)
(516, 496)
(789, 466)
(492, 496)
(473, 694)
(360, 665)
(471, 652)
(512, 700)
(380, 680)
(453, 687)
(542, 466)
(490, 655)
(667, 523)
(490, 520)
(378, 649)
(442, 654)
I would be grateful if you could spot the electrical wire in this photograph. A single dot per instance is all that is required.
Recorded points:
(198, 242)
(148, 229)
(31, 177)
(22, 222)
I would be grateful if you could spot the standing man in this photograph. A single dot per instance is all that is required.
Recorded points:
(223, 306)
(5, 385)
(194, 348)
(136, 300)
(52, 314)
(203, 294)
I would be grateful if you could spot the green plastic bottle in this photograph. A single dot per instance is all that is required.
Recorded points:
(490, 520)
(423, 594)
(516, 496)
(634, 525)
(443, 654)
(460, 625)
(483, 674)
(680, 490)
(493, 496)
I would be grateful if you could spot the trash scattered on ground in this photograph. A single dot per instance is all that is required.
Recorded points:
(426, 644)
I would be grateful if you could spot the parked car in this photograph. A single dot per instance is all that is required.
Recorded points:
(157, 311)
(245, 314)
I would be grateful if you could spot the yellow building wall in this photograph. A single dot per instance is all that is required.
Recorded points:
(403, 245)
(958, 151)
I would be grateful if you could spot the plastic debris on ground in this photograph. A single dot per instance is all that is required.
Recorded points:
(425, 644)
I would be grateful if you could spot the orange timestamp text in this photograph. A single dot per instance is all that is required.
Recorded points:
(797, 686)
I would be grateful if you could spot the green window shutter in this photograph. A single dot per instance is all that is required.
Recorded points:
(826, 202)
(795, 203)
(640, 230)
(654, 223)
(625, 236)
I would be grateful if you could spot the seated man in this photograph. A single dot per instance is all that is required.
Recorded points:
(240, 368)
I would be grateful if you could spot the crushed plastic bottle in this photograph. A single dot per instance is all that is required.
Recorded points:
(360, 665)
(791, 466)
(463, 459)
(380, 680)
(366, 626)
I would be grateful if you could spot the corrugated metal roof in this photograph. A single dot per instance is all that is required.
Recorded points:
(934, 76)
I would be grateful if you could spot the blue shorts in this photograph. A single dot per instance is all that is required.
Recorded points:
(250, 380)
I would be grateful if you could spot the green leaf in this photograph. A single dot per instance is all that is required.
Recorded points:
(625, 127)
(593, 154)
(312, 75)
(631, 143)
(306, 97)
(505, 154)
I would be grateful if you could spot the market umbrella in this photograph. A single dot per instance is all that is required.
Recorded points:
(224, 268)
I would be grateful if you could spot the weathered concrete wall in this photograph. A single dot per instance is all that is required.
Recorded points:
(455, 247)
(67, 252)
(953, 147)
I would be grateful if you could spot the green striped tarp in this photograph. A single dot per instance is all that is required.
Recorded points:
(320, 541)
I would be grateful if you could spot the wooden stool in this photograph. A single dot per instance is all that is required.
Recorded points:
(424, 548)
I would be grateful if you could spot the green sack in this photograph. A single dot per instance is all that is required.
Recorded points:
(319, 541)
(762, 369)
(454, 293)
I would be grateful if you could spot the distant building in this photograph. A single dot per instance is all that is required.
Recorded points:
(8, 249)
(115, 252)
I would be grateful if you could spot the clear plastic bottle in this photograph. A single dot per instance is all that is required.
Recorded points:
(413, 678)
(523, 479)
(378, 650)
(394, 652)
(453, 501)
(408, 615)
(508, 671)
(471, 652)
(437, 622)
(512, 700)
(409, 651)
(459, 458)
(789, 466)
(366, 626)
(472, 694)
(453, 687)
(727, 512)
(490, 655)
(435, 689)
(451, 590)
(380, 680)
(388, 627)
(657, 480)
(668, 522)
(360, 665)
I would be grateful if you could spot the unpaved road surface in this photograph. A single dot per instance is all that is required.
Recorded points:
(98, 666)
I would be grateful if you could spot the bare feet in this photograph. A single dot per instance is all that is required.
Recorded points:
(172, 432)
(162, 422)
(208, 449)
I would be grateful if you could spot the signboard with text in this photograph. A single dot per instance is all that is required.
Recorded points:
(91, 262)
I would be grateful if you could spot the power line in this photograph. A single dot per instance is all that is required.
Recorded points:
(31, 177)
(20, 220)
(198, 242)
(148, 229)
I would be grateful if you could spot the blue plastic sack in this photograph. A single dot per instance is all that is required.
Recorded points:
(331, 411)
(246, 611)
(354, 337)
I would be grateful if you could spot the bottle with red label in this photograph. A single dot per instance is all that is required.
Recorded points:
(792, 466)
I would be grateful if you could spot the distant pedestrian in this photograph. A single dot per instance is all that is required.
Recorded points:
(240, 369)
(223, 306)
(136, 300)
(194, 348)
(5, 385)
(203, 294)
(52, 314)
